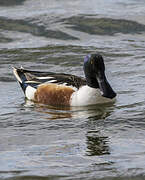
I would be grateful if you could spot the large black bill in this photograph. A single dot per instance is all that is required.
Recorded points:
(105, 87)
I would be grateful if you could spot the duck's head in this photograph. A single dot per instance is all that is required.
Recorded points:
(94, 70)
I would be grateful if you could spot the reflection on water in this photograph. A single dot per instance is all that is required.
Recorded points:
(92, 113)
(45, 142)
(54, 114)
(96, 144)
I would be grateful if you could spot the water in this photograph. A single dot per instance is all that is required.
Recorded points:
(94, 142)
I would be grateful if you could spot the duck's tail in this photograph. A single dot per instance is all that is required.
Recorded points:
(27, 88)
(19, 74)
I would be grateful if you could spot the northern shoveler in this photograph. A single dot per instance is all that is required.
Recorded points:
(65, 89)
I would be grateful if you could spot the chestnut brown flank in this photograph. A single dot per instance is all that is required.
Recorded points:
(53, 94)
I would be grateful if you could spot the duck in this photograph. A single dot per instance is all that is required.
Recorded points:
(60, 89)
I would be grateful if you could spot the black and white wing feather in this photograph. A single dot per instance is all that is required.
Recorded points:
(36, 78)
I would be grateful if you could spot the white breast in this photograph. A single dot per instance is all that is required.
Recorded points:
(88, 96)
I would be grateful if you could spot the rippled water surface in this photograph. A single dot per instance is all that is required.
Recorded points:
(94, 142)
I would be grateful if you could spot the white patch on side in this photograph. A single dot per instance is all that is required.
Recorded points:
(29, 92)
(51, 81)
(47, 77)
(88, 96)
(32, 82)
